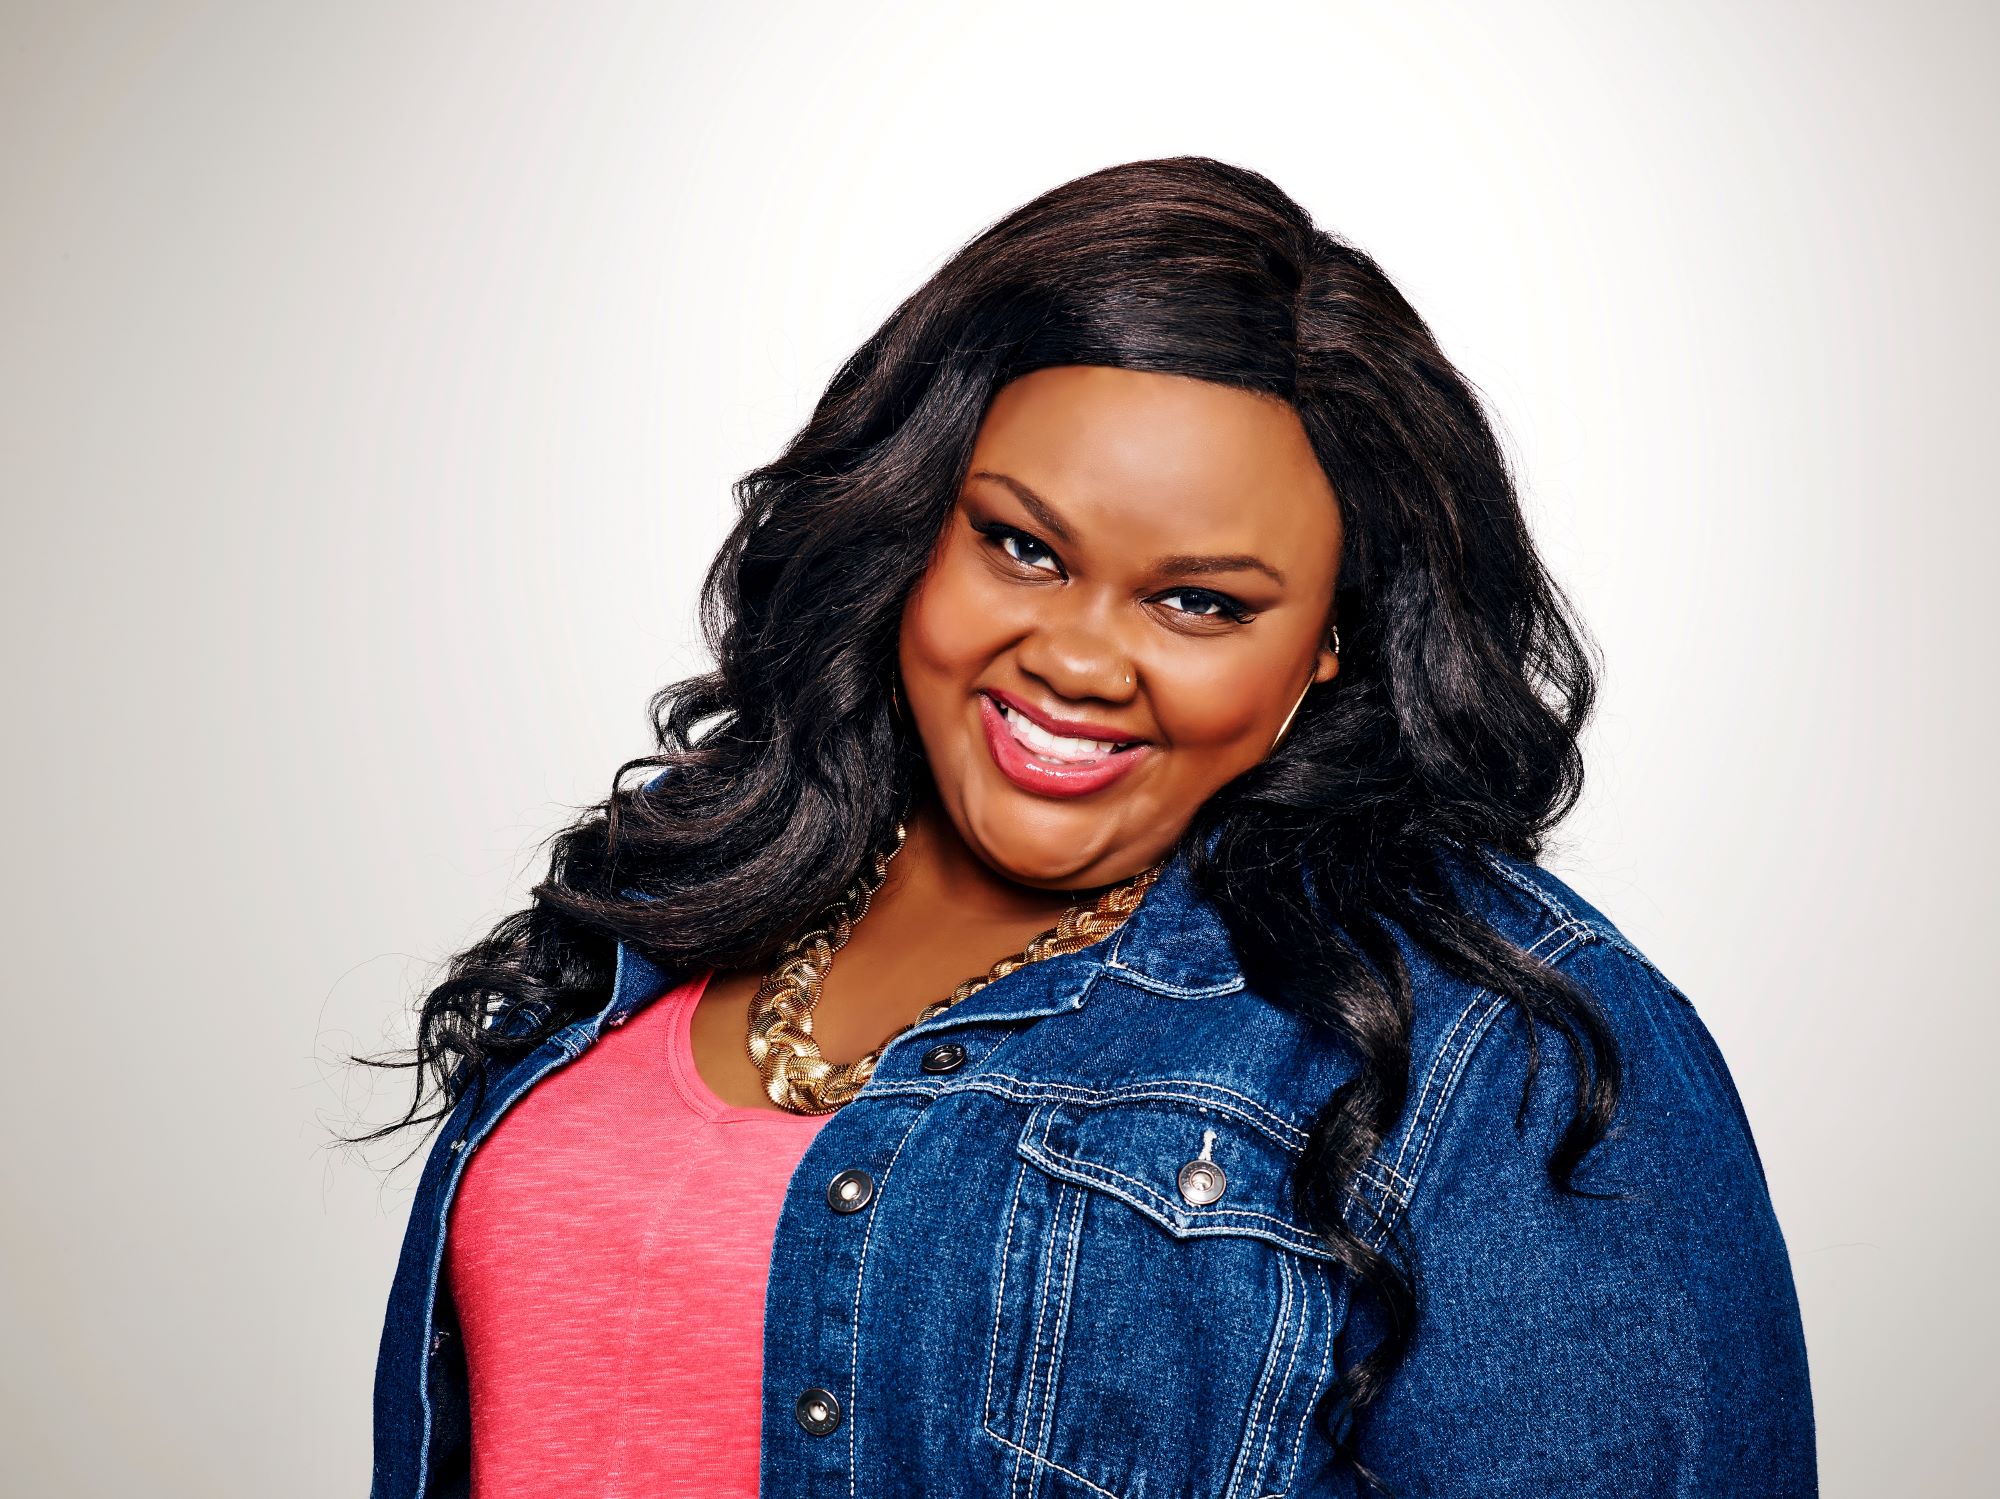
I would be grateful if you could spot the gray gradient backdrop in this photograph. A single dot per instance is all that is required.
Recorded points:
(372, 377)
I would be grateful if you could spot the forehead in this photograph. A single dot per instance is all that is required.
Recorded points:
(1165, 463)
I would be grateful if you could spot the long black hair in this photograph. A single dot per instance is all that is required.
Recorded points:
(1453, 723)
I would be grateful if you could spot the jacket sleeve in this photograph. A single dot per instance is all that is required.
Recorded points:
(1649, 1346)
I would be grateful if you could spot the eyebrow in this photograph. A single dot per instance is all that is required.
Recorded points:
(1181, 564)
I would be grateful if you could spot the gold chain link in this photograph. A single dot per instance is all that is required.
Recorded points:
(796, 1077)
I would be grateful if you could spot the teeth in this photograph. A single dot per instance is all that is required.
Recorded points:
(1054, 746)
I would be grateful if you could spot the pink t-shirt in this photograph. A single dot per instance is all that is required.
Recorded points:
(607, 1250)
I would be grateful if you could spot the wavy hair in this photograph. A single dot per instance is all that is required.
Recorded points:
(1453, 723)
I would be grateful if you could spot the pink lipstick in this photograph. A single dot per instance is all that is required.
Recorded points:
(1029, 755)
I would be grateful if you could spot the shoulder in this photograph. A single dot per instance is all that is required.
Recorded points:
(1491, 1088)
(1658, 1307)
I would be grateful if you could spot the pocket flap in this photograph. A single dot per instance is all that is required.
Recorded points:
(1192, 1168)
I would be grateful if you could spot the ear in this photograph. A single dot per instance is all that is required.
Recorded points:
(1326, 666)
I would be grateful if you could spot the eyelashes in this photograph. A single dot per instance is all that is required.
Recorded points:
(1005, 538)
(1225, 606)
(1026, 551)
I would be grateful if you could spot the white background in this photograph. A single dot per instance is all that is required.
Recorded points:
(372, 377)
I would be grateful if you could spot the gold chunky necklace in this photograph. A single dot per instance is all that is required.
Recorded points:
(796, 1077)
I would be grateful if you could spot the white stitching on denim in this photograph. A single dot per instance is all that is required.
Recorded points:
(1206, 1220)
(1545, 899)
(1138, 978)
(1060, 1332)
(1383, 1213)
(1320, 1376)
(1208, 1095)
(1054, 1158)
(1021, 1451)
(1278, 1127)
(1049, 1462)
(1301, 1272)
(1046, 1154)
(1573, 936)
(860, 1272)
(1253, 1432)
(1035, 1343)
(1479, 1029)
(1382, 1174)
(1446, 1091)
(1444, 1048)
(1000, 1298)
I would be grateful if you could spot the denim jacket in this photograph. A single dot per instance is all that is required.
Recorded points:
(1048, 1250)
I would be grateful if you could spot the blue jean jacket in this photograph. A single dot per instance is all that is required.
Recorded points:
(1066, 1265)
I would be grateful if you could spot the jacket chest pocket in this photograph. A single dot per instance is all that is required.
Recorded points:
(1162, 1322)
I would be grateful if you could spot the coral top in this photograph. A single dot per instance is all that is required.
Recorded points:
(607, 1251)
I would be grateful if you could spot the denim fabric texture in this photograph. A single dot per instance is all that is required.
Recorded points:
(1079, 1275)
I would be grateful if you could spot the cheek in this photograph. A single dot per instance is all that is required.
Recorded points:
(954, 624)
(1213, 699)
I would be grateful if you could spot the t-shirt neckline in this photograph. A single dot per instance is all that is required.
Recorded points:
(688, 1082)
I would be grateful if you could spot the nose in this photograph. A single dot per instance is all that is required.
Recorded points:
(1077, 656)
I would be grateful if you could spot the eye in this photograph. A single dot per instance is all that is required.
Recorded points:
(1019, 546)
(1206, 603)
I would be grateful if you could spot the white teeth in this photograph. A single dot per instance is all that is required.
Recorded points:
(1054, 746)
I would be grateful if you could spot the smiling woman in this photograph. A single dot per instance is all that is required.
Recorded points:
(1072, 1007)
(1108, 554)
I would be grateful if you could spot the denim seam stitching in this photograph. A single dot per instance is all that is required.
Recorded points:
(1058, 1337)
(1438, 1058)
(1138, 978)
(1035, 1348)
(1028, 1091)
(1304, 1274)
(1056, 1159)
(860, 1271)
(1573, 936)
(1548, 902)
(1319, 1379)
(1000, 1297)
(1272, 1124)
(1048, 1462)
(1257, 1437)
(1254, 1431)
(1388, 1179)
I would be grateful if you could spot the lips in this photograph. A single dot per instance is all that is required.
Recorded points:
(1051, 764)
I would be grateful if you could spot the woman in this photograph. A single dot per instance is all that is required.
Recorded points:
(1072, 1008)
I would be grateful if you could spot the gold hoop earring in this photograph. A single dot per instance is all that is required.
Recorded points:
(1285, 727)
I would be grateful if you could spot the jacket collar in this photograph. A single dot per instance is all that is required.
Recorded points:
(1174, 943)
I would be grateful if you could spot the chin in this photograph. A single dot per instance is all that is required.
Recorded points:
(1057, 855)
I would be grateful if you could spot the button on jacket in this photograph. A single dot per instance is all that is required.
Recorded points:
(1048, 1249)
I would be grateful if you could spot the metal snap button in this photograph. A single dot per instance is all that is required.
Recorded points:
(946, 1056)
(818, 1411)
(850, 1191)
(1201, 1180)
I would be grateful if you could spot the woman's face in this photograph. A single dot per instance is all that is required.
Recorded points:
(1135, 559)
